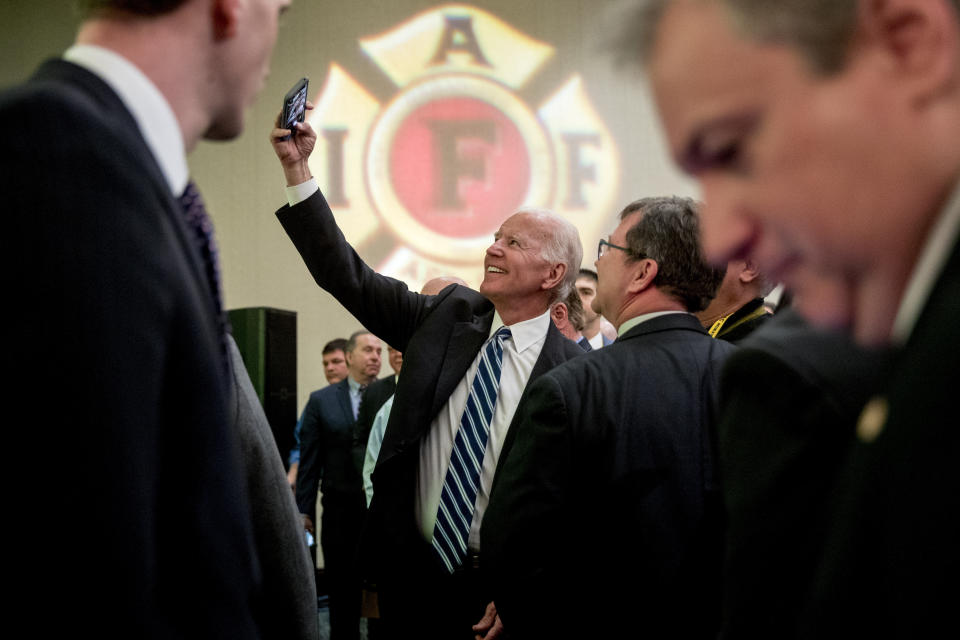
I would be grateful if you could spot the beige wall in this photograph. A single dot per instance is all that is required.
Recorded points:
(243, 184)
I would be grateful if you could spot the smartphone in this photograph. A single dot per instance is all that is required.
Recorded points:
(294, 105)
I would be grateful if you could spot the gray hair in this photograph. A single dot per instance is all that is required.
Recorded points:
(668, 233)
(821, 30)
(561, 245)
(352, 340)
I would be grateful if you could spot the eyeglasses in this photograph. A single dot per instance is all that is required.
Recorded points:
(604, 243)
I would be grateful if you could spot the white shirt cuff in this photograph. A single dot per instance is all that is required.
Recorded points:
(300, 192)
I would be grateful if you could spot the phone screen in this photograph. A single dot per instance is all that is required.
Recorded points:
(294, 104)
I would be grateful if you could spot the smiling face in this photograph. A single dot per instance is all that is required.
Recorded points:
(514, 267)
(800, 171)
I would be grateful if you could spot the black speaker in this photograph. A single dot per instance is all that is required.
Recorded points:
(267, 339)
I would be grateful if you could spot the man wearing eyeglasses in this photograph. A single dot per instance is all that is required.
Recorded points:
(610, 481)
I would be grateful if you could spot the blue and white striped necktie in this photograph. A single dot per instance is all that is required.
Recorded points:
(461, 485)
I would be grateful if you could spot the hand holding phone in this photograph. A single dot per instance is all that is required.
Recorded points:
(294, 106)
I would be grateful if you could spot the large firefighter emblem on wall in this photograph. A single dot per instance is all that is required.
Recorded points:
(424, 180)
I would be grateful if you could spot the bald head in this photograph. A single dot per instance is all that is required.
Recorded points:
(435, 285)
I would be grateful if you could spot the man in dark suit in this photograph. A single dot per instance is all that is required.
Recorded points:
(334, 370)
(825, 138)
(604, 520)
(448, 350)
(327, 459)
(738, 309)
(373, 398)
(142, 526)
(789, 401)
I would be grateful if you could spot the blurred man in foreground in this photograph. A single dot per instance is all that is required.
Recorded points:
(825, 138)
(109, 252)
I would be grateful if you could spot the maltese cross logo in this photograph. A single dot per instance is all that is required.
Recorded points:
(424, 179)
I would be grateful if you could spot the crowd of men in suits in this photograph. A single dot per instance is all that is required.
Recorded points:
(800, 484)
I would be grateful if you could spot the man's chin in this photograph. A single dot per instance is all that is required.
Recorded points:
(224, 128)
(823, 300)
(487, 290)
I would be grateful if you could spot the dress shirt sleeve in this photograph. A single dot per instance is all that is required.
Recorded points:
(300, 192)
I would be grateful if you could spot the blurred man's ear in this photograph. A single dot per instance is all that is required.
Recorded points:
(919, 38)
(226, 16)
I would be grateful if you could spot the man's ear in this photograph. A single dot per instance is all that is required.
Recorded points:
(921, 39)
(749, 273)
(558, 313)
(554, 277)
(226, 17)
(644, 272)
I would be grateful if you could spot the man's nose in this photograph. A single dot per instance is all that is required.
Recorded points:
(726, 229)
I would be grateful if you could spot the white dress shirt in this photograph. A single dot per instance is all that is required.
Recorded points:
(520, 353)
(936, 251)
(143, 100)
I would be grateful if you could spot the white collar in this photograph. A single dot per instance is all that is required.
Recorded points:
(936, 251)
(146, 104)
(526, 333)
(643, 317)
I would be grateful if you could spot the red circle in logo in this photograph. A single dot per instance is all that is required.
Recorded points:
(460, 166)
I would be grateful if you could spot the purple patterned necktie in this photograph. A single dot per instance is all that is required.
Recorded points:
(195, 215)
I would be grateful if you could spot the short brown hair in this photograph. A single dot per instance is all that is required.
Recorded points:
(668, 233)
(89, 8)
(821, 30)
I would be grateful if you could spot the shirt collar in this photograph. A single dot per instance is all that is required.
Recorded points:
(643, 317)
(146, 104)
(353, 384)
(525, 333)
(936, 251)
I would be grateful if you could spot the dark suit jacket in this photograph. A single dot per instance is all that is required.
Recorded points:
(326, 447)
(892, 556)
(373, 398)
(789, 403)
(140, 497)
(289, 606)
(439, 337)
(744, 321)
(604, 519)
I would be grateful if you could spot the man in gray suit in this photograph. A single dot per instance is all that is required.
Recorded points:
(289, 609)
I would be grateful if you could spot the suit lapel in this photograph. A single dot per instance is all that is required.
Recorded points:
(108, 103)
(343, 395)
(466, 339)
